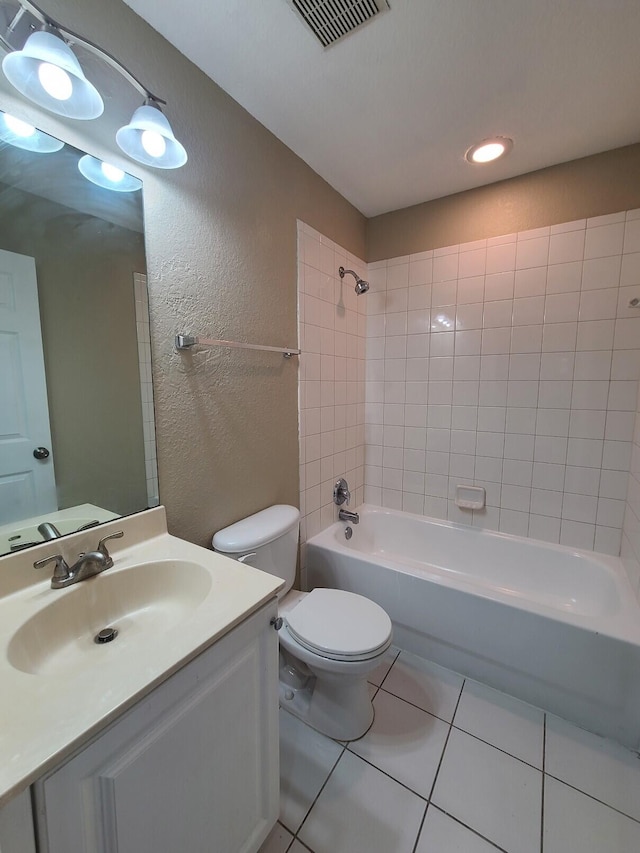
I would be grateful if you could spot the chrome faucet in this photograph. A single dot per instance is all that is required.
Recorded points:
(48, 531)
(86, 566)
(341, 495)
(347, 515)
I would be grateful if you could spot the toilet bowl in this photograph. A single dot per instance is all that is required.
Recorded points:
(330, 640)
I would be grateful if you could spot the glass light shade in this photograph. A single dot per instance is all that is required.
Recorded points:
(22, 135)
(148, 138)
(26, 70)
(107, 176)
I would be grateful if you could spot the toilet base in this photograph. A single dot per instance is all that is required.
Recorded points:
(335, 706)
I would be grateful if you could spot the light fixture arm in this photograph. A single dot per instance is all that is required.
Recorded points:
(74, 38)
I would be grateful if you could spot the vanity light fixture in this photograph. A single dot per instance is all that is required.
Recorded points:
(489, 150)
(46, 71)
(107, 176)
(148, 138)
(23, 135)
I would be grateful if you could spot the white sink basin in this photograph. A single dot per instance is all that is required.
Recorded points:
(141, 601)
(168, 599)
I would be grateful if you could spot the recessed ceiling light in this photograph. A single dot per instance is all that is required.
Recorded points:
(489, 149)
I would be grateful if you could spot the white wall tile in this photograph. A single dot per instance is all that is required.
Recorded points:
(565, 277)
(630, 273)
(577, 534)
(512, 362)
(532, 253)
(604, 241)
(528, 311)
(531, 281)
(559, 337)
(598, 304)
(565, 247)
(562, 308)
(445, 267)
(526, 338)
(501, 258)
(498, 286)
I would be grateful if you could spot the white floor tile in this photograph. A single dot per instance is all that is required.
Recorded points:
(380, 672)
(442, 834)
(306, 759)
(425, 684)
(297, 847)
(599, 767)
(574, 823)
(404, 742)
(278, 840)
(495, 794)
(361, 809)
(503, 721)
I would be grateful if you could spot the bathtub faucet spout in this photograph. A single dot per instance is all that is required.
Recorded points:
(347, 515)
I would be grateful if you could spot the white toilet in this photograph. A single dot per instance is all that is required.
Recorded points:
(330, 640)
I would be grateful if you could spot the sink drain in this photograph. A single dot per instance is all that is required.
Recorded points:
(105, 636)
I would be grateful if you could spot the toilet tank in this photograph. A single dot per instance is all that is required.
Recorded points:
(267, 540)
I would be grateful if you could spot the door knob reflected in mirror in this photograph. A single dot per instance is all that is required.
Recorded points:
(41, 453)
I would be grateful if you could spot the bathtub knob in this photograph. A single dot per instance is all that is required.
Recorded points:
(276, 622)
(341, 493)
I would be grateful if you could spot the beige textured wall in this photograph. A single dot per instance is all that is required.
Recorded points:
(221, 256)
(592, 186)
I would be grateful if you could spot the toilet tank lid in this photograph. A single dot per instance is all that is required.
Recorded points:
(256, 530)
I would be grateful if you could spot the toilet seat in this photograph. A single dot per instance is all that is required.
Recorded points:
(339, 625)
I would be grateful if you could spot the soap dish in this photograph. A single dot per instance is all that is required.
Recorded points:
(470, 497)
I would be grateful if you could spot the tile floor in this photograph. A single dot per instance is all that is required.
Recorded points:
(452, 766)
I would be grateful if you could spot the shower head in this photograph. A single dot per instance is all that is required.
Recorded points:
(361, 285)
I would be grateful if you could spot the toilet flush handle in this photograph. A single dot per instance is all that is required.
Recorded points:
(246, 557)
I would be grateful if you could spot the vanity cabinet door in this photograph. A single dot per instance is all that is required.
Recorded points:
(192, 768)
(16, 826)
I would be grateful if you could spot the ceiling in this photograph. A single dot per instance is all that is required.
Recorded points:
(386, 114)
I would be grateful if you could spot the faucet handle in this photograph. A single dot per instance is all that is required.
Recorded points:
(103, 548)
(61, 571)
(341, 493)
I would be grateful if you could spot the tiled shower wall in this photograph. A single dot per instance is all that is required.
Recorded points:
(510, 363)
(332, 328)
(631, 530)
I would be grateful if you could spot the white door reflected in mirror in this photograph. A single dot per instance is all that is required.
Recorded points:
(27, 481)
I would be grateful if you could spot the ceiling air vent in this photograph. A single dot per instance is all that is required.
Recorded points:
(330, 20)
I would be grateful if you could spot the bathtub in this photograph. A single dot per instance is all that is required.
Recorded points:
(554, 626)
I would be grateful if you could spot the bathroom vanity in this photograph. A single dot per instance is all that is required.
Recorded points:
(165, 739)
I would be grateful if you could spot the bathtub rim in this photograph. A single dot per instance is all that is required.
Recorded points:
(624, 625)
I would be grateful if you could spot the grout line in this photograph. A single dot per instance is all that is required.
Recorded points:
(435, 778)
(544, 760)
(420, 828)
(389, 670)
(319, 792)
(388, 775)
(470, 828)
(493, 746)
(591, 797)
(418, 707)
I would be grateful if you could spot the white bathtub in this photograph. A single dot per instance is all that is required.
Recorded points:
(557, 627)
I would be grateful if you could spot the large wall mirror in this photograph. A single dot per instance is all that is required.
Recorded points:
(77, 438)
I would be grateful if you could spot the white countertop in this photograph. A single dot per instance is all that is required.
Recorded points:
(45, 717)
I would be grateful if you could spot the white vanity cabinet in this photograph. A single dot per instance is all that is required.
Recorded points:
(16, 826)
(193, 767)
